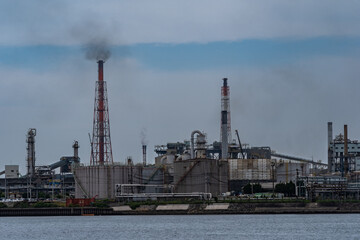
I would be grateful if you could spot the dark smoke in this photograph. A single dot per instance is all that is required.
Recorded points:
(98, 50)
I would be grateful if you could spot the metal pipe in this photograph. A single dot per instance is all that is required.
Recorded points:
(192, 142)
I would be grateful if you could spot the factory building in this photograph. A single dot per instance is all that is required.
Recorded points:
(327, 187)
(343, 153)
(100, 181)
(287, 171)
(40, 180)
(201, 175)
(191, 168)
(184, 169)
(11, 171)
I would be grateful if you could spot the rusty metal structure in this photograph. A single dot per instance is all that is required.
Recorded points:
(101, 151)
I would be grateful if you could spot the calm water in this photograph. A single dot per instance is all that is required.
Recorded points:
(330, 226)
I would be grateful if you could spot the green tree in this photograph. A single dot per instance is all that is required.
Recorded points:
(257, 188)
(252, 188)
(280, 188)
(288, 189)
(247, 189)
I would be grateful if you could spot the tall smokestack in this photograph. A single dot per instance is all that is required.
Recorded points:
(101, 111)
(330, 152)
(225, 128)
(224, 140)
(101, 141)
(346, 163)
(144, 154)
(225, 106)
(101, 70)
(30, 140)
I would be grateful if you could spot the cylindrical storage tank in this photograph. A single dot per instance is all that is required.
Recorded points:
(170, 159)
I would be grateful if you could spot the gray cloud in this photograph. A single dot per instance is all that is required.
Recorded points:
(176, 21)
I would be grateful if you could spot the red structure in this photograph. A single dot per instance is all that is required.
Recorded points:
(101, 151)
(81, 202)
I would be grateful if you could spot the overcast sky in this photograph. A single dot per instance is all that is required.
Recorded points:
(292, 67)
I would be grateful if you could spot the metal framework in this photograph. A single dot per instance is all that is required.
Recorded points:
(101, 151)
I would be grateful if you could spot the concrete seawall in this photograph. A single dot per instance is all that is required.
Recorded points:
(8, 212)
(185, 209)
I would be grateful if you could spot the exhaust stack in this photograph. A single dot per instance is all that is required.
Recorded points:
(330, 152)
(144, 155)
(101, 141)
(30, 140)
(101, 110)
(346, 163)
(224, 140)
(225, 128)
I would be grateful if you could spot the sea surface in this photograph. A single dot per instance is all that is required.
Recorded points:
(311, 226)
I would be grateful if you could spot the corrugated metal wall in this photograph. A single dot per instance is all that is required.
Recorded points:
(250, 169)
(100, 180)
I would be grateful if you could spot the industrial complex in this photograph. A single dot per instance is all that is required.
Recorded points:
(196, 168)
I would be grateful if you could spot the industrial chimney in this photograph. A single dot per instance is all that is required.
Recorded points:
(30, 140)
(346, 161)
(101, 141)
(144, 154)
(330, 152)
(225, 129)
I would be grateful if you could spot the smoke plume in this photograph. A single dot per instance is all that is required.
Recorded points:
(97, 50)
(143, 136)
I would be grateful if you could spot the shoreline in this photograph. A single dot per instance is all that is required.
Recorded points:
(191, 209)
